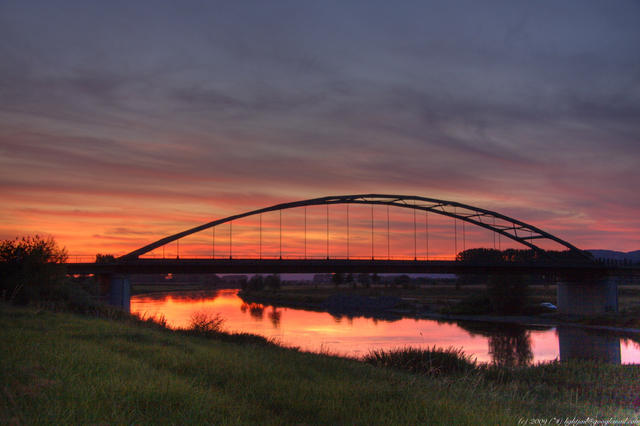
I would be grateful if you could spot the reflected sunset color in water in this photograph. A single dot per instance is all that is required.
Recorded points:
(321, 331)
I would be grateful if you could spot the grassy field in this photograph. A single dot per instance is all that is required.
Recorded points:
(62, 368)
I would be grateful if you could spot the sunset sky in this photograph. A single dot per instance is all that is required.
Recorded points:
(125, 121)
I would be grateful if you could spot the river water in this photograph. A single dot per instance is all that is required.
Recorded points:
(506, 344)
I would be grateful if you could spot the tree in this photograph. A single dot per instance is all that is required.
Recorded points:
(375, 278)
(350, 280)
(273, 282)
(402, 280)
(337, 278)
(508, 294)
(256, 283)
(30, 268)
(364, 279)
(105, 258)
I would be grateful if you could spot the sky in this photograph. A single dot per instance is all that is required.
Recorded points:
(122, 122)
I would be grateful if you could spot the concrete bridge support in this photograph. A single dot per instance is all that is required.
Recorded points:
(587, 296)
(116, 290)
(578, 343)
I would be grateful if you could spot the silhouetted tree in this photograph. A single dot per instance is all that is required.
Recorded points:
(30, 268)
(480, 255)
(256, 283)
(364, 279)
(402, 280)
(105, 258)
(350, 280)
(273, 282)
(337, 278)
(375, 278)
(508, 294)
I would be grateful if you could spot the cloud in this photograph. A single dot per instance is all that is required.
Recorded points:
(198, 111)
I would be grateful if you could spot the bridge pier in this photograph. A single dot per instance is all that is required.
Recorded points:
(587, 295)
(116, 290)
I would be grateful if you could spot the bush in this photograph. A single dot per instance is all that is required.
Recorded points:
(433, 362)
(273, 282)
(256, 283)
(204, 324)
(474, 304)
(31, 268)
(508, 294)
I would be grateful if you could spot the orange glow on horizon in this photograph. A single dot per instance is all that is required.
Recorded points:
(120, 230)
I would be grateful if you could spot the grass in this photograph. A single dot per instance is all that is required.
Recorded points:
(591, 382)
(433, 362)
(63, 368)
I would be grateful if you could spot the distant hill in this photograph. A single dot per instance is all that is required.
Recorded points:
(633, 256)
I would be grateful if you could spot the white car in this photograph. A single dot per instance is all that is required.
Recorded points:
(548, 305)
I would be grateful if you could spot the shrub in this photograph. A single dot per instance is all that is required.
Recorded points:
(433, 362)
(474, 304)
(206, 324)
(273, 282)
(256, 283)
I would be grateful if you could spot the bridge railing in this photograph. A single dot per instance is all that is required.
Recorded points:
(85, 258)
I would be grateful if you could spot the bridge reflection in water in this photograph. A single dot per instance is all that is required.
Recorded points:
(501, 343)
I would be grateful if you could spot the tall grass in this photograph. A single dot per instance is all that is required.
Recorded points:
(205, 324)
(433, 362)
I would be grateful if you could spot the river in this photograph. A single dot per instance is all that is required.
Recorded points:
(506, 344)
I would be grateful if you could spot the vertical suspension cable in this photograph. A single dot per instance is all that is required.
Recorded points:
(260, 244)
(464, 238)
(347, 231)
(305, 232)
(178, 248)
(426, 231)
(213, 242)
(372, 232)
(415, 234)
(163, 252)
(230, 239)
(280, 234)
(455, 234)
(388, 236)
(327, 231)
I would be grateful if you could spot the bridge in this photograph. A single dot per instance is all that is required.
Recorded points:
(365, 241)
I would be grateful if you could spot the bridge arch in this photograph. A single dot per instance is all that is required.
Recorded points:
(511, 228)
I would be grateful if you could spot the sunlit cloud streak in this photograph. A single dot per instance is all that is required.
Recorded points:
(152, 118)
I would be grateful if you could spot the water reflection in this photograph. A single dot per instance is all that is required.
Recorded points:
(499, 343)
(578, 343)
(511, 349)
(509, 344)
(274, 317)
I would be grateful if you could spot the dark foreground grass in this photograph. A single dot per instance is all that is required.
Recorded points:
(593, 383)
(61, 368)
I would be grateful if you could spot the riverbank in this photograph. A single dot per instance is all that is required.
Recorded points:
(65, 368)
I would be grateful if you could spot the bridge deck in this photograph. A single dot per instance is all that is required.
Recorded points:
(268, 266)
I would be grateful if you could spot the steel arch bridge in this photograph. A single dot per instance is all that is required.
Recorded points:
(498, 223)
